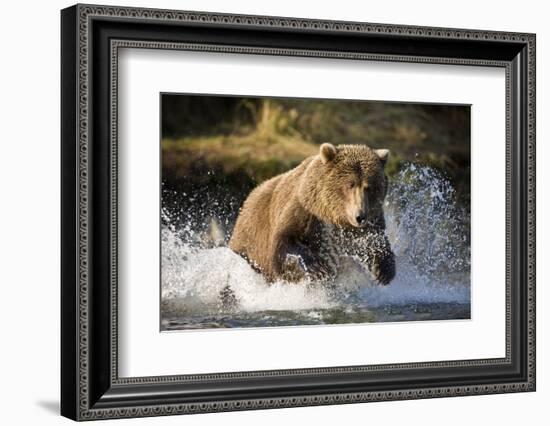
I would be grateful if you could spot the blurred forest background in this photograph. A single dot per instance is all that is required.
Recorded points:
(213, 143)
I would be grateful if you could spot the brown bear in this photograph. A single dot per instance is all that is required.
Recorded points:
(286, 223)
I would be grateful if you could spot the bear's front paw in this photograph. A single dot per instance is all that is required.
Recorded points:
(294, 268)
(383, 269)
(299, 267)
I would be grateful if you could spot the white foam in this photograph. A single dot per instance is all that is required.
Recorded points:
(193, 280)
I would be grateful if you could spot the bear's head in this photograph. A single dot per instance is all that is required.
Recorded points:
(346, 185)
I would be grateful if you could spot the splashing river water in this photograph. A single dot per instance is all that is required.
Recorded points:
(428, 231)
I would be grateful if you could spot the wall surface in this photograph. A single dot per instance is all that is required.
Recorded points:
(29, 225)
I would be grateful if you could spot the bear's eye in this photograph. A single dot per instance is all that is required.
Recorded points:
(351, 185)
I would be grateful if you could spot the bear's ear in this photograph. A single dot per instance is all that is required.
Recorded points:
(328, 152)
(383, 154)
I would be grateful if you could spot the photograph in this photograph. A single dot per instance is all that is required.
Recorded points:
(265, 209)
(279, 211)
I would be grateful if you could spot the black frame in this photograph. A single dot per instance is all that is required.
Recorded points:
(90, 38)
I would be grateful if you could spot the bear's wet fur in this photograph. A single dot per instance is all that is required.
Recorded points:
(284, 223)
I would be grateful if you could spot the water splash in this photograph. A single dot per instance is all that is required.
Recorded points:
(430, 235)
(428, 231)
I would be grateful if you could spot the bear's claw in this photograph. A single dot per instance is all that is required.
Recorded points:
(383, 269)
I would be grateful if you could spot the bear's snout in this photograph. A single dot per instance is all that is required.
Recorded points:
(361, 219)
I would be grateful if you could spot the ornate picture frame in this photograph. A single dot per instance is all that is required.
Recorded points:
(91, 37)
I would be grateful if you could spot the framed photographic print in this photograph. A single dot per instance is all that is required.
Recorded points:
(263, 212)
